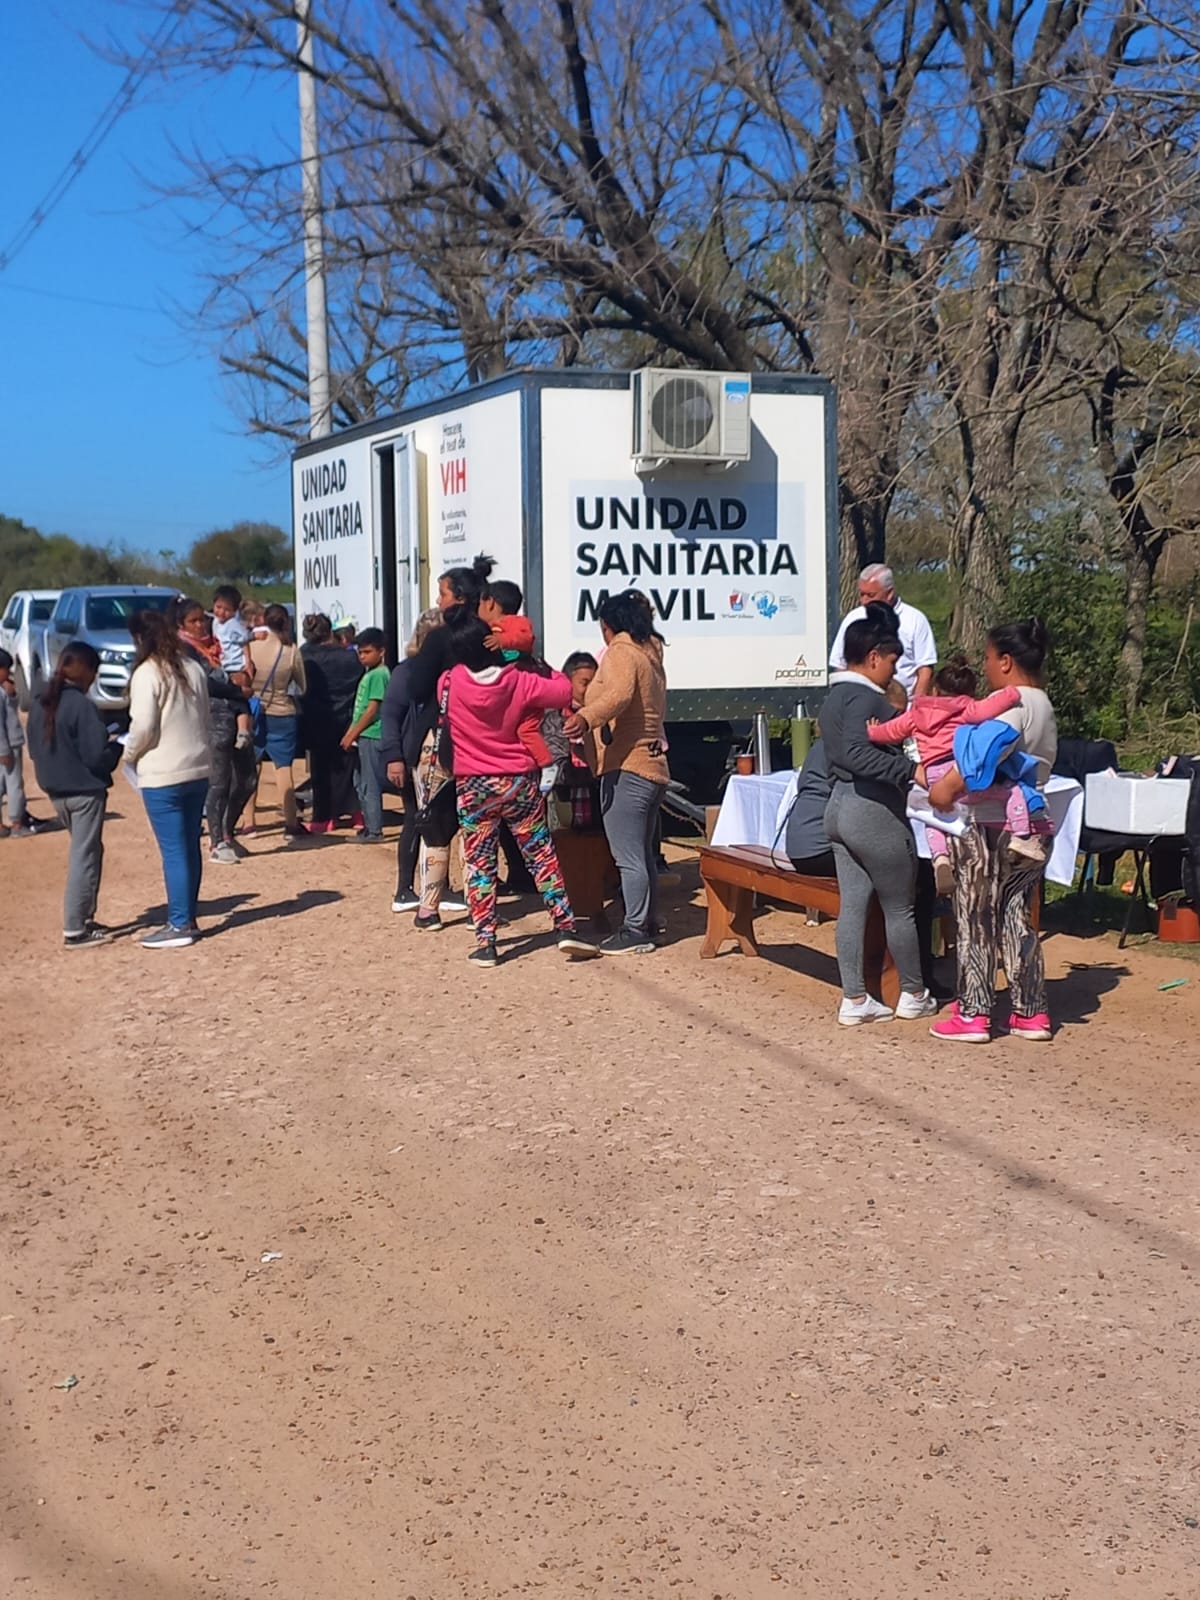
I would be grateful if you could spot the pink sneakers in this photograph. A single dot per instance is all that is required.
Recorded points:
(976, 1030)
(967, 1030)
(1036, 1028)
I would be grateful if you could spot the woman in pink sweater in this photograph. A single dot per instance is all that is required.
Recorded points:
(497, 779)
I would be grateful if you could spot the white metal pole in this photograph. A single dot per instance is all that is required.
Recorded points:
(320, 420)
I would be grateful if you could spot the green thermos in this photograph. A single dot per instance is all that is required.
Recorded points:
(803, 733)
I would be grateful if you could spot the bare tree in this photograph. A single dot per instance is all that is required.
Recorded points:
(1146, 416)
(918, 197)
(1064, 169)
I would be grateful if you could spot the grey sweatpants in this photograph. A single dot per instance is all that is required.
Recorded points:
(629, 807)
(875, 853)
(82, 815)
(12, 784)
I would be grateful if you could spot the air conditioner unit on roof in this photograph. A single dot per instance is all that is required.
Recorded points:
(690, 416)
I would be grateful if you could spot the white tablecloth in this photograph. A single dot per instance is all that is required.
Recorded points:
(754, 811)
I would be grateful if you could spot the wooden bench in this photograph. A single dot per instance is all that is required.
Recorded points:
(733, 874)
(589, 873)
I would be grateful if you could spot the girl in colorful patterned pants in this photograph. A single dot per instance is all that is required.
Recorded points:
(483, 803)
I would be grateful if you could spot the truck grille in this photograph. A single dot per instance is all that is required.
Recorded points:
(112, 681)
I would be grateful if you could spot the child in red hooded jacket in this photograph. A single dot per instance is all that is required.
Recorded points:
(512, 636)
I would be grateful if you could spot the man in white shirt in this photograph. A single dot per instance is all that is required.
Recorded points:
(914, 669)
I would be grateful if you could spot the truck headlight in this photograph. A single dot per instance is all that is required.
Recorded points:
(114, 657)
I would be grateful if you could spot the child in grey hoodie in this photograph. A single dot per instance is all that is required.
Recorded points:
(74, 760)
(12, 756)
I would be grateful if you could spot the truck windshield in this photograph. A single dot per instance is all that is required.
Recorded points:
(110, 613)
(39, 610)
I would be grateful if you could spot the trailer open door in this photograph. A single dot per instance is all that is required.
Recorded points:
(408, 538)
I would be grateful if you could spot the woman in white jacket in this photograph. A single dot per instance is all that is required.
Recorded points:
(169, 748)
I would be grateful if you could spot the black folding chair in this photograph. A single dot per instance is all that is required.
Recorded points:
(1100, 849)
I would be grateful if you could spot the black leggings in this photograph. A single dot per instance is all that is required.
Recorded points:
(409, 843)
(821, 866)
(234, 779)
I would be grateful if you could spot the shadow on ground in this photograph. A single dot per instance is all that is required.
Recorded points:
(1075, 998)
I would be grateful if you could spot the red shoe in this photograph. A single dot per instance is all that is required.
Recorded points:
(966, 1030)
(358, 822)
(322, 827)
(1035, 1027)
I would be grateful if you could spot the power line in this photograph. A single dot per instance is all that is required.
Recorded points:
(105, 123)
(79, 299)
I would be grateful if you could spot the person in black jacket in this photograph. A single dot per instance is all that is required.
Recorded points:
(460, 589)
(331, 674)
(867, 823)
(405, 725)
(74, 760)
(806, 841)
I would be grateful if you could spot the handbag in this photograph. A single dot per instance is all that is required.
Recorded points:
(258, 716)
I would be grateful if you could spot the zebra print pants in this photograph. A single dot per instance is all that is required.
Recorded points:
(993, 895)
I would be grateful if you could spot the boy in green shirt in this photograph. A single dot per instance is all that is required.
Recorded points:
(366, 732)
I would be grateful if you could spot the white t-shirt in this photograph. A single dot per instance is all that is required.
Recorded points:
(916, 637)
(1034, 720)
(233, 636)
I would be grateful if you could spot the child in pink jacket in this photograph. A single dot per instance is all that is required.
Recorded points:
(932, 721)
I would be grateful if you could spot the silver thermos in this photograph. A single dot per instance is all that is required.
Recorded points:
(761, 743)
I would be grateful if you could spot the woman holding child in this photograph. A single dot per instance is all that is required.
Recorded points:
(866, 820)
(994, 883)
(233, 768)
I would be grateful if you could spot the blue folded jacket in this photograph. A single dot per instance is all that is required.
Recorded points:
(987, 753)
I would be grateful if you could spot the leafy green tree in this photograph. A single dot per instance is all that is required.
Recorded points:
(249, 552)
(30, 559)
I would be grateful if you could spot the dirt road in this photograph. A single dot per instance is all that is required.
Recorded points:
(627, 1279)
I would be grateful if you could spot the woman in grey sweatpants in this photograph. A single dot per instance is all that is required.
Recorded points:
(866, 821)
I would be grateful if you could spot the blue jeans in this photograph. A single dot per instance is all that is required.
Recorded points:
(176, 812)
(369, 781)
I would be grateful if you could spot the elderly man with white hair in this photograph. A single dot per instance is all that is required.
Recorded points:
(914, 669)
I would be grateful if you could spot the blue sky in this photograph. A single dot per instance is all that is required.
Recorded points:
(114, 423)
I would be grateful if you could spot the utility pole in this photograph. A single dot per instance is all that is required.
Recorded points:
(320, 420)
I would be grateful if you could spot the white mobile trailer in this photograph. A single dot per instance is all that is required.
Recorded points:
(538, 470)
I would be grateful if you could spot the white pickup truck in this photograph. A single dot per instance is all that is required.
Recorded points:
(25, 616)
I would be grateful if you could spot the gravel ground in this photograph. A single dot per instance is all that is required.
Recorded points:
(633, 1278)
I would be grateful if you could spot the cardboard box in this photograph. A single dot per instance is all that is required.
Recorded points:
(1123, 802)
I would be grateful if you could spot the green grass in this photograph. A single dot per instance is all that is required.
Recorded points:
(931, 593)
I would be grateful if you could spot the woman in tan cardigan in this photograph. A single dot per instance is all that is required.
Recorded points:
(278, 668)
(626, 704)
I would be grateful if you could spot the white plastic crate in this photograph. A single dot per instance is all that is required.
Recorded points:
(1125, 802)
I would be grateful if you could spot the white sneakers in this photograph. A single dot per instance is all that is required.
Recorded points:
(853, 1012)
(909, 1008)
